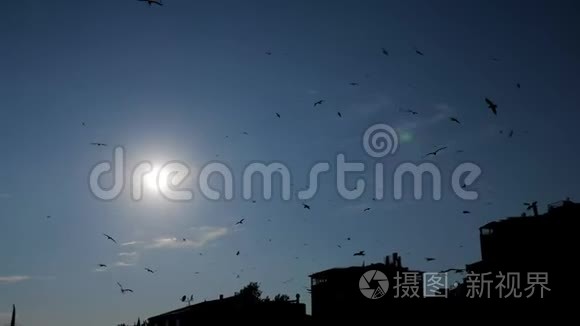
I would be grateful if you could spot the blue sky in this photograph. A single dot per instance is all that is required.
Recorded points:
(169, 83)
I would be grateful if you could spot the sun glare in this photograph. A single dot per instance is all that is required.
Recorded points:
(150, 179)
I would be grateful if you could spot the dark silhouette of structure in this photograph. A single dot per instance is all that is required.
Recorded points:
(240, 307)
(542, 245)
(336, 293)
(13, 320)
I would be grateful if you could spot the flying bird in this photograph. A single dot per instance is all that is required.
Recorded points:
(466, 212)
(511, 134)
(411, 111)
(150, 270)
(98, 144)
(150, 2)
(436, 151)
(238, 253)
(518, 85)
(339, 246)
(492, 106)
(339, 114)
(240, 221)
(459, 151)
(360, 253)
(419, 52)
(367, 209)
(83, 124)
(268, 53)
(278, 114)
(245, 133)
(318, 102)
(124, 290)
(306, 206)
(110, 238)
(454, 120)
(348, 239)
(353, 84)
(385, 52)
(102, 266)
(456, 270)
(429, 259)
(48, 216)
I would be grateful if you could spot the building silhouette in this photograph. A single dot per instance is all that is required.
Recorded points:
(238, 307)
(336, 292)
(538, 248)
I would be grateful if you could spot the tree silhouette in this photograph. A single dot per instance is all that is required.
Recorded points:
(251, 291)
(281, 298)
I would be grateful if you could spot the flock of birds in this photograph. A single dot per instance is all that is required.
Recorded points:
(491, 105)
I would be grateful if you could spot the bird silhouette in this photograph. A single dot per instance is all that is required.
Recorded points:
(268, 53)
(238, 253)
(318, 102)
(306, 206)
(245, 133)
(48, 216)
(419, 52)
(459, 151)
(491, 105)
(110, 238)
(353, 84)
(339, 246)
(385, 52)
(348, 239)
(360, 253)
(151, 2)
(411, 111)
(288, 281)
(518, 85)
(83, 124)
(150, 270)
(339, 114)
(240, 221)
(434, 153)
(511, 134)
(454, 120)
(278, 114)
(466, 212)
(98, 144)
(429, 259)
(366, 209)
(456, 270)
(102, 266)
(124, 290)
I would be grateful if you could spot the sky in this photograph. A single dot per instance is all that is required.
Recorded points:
(170, 83)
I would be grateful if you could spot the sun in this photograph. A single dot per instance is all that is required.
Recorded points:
(150, 179)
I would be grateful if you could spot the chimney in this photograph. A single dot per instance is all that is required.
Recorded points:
(221, 296)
